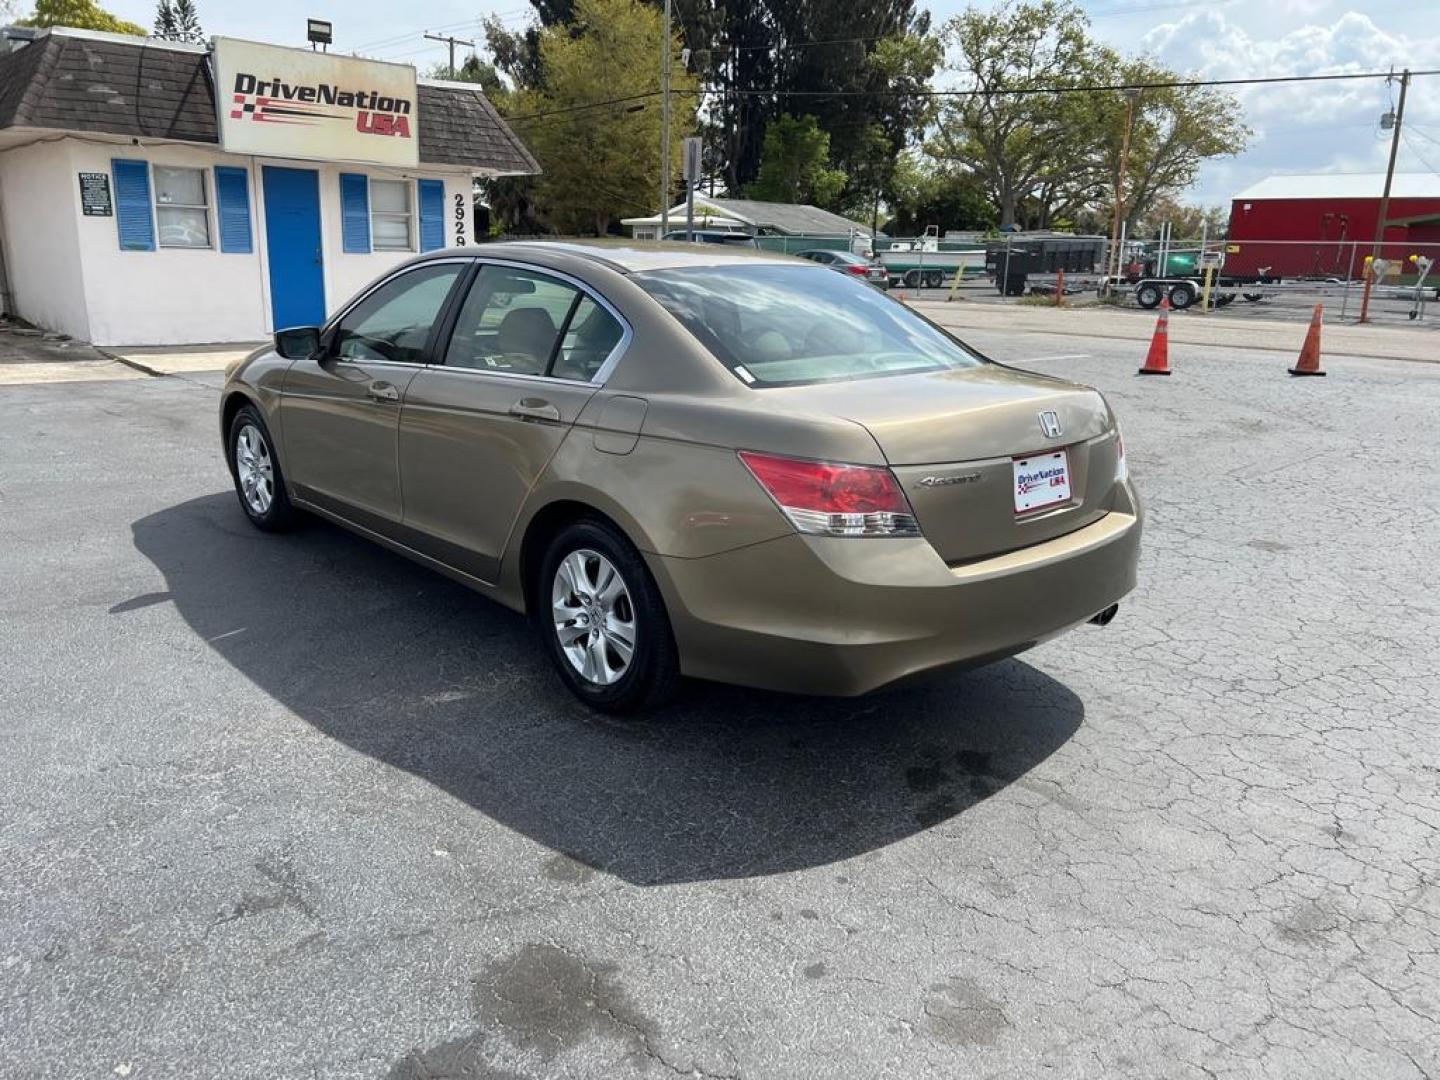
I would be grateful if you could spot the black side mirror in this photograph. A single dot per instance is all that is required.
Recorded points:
(298, 342)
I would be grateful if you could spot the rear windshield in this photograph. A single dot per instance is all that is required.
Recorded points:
(776, 325)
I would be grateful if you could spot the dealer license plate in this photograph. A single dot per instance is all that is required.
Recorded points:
(1041, 480)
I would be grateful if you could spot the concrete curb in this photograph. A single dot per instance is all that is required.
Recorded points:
(125, 360)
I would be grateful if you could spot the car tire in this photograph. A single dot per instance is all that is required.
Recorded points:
(255, 469)
(587, 623)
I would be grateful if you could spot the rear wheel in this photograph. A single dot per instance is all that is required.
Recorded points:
(934, 279)
(259, 483)
(603, 620)
(1148, 296)
(1181, 296)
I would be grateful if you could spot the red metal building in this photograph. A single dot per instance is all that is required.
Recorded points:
(1308, 226)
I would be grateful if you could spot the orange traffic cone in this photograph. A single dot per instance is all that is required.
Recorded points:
(1309, 362)
(1157, 360)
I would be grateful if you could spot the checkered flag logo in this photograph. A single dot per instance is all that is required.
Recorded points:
(244, 106)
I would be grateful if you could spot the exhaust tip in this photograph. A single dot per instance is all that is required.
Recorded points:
(1105, 617)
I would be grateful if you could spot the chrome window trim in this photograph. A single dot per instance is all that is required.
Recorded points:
(627, 333)
(602, 375)
(356, 301)
(524, 376)
(398, 272)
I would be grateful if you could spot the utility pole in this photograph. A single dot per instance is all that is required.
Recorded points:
(1117, 257)
(665, 44)
(1385, 196)
(452, 41)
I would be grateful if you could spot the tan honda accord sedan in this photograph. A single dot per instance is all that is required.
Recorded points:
(694, 461)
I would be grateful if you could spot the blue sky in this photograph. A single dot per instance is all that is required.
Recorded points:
(1305, 128)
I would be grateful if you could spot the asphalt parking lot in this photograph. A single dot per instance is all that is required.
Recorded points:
(294, 807)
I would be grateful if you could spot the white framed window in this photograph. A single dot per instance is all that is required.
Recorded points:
(392, 217)
(182, 209)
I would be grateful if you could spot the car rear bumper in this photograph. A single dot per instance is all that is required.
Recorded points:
(817, 615)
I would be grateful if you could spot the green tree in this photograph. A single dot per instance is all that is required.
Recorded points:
(795, 164)
(948, 198)
(165, 28)
(1010, 136)
(599, 164)
(1175, 130)
(187, 23)
(83, 14)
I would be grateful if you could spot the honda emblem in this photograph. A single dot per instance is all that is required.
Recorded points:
(1050, 424)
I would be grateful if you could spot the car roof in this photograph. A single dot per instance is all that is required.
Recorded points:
(625, 256)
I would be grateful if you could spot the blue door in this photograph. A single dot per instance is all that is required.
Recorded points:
(292, 243)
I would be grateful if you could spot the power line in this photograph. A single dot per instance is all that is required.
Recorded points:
(397, 39)
(1012, 92)
(1176, 84)
(1405, 138)
(568, 109)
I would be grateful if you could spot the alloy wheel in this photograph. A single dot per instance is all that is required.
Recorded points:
(254, 469)
(594, 616)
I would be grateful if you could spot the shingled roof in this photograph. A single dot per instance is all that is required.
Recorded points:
(72, 80)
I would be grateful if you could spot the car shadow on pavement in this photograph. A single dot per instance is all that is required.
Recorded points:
(419, 672)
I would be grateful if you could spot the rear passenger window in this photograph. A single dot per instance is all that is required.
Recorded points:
(589, 339)
(528, 323)
(510, 321)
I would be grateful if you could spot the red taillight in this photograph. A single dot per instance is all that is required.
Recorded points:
(834, 500)
(858, 269)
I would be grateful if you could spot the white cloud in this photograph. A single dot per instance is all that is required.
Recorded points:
(1302, 127)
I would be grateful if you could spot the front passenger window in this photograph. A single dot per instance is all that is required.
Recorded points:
(394, 322)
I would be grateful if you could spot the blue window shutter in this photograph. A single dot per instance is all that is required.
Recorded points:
(355, 213)
(134, 216)
(432, 215)
(232, 202)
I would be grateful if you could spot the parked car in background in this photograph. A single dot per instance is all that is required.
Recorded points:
(718, 463)
(844, 262)
(713, 236)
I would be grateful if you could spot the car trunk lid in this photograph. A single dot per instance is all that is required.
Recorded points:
(952, 439)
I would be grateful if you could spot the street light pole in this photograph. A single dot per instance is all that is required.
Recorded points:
(1384, 197)
(665, 44)
(1116, 255)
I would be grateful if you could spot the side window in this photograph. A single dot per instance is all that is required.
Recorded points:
(394, 321)
(181, 210)
(590, 337)
(510, 321)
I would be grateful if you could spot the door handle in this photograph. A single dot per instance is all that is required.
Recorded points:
(534, 408)
(380, 390)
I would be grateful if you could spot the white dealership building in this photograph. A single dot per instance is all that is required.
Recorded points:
(159, 193)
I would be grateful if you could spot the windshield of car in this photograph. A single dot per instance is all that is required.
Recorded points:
(775, 325)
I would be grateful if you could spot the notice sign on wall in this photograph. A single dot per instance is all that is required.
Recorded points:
(301, 104)
(95, 194)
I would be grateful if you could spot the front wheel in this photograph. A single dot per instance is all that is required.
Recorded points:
(259, 483)
(604, 622)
